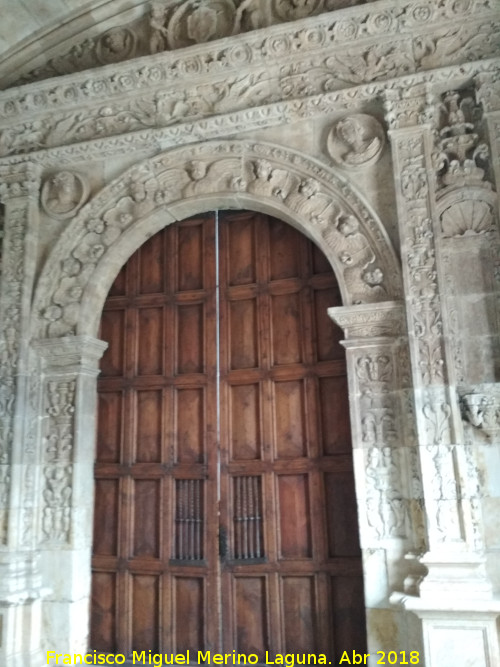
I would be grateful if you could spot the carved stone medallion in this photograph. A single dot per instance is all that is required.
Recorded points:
(297, 9)
(63, 194)
(356, 141)
(195, 22)
(116, 45)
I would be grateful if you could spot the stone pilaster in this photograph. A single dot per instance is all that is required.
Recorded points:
(386, 469)
(69, 367)
(20, 589)
(455, 550)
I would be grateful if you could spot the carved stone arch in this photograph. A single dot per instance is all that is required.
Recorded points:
(221, 174)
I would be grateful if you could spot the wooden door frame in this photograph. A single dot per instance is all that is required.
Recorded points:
(311, 198)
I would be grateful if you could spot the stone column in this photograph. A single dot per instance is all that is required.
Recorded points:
(456, 593)
(20, 589)
(386, 469)
(68, 367)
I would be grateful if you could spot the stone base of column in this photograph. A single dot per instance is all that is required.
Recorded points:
(455, 575)
(20, 624)
(21, 596)
(456, 632)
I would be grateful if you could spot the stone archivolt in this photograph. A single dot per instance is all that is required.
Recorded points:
(266, 175)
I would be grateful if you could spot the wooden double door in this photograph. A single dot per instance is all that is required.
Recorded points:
(225, 513)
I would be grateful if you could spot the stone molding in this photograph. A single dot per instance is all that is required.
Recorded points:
(170, 88)
(123, 131)
(431, 33)
(271, 177)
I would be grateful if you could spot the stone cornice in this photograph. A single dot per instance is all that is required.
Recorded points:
(335, 51)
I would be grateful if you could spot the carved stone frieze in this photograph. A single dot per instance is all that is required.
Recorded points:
(428, 38)
(58, 458)
(12, 310)
(12, 285)
(385, 502)
(436, 413)
(326, 206)
(170, 88)
(419, 251)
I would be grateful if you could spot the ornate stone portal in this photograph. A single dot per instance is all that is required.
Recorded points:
(384, 151)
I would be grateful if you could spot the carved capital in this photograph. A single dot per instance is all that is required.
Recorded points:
(408, 106)
(19, 180)
(365, 321)
(71, 354)
(481, 408)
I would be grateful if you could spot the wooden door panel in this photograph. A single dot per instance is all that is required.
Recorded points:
(190, 424)
(145, 616)
(146, 503)
(290, 435)
(113, 329)
(189, 614)
(283, 494)
(106, 507)
(250, 598)
(148, 436)
(298, 605)
(103, 601)
(245, 432)
(341, 514)
(156, 445)
(295, 540)
(348, 615)
(110, 406)
(150, 341)
(151, 272)
(335, 431)
(244, 333)
(285, 329)
(285, 432)
(190, 338)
